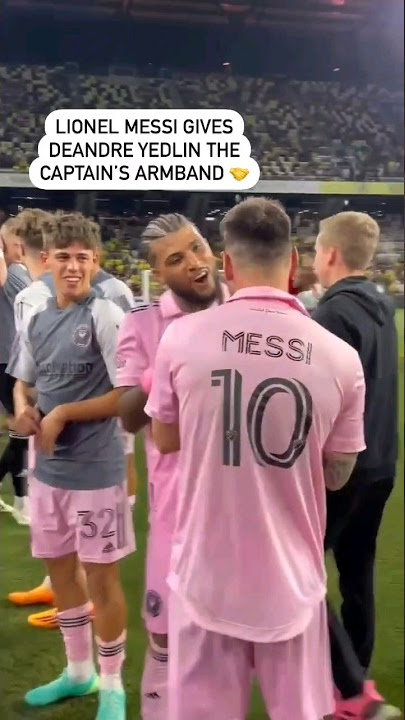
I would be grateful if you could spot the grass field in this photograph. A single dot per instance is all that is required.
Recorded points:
(29, 656)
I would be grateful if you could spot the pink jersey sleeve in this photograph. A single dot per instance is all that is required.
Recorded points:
(162, 402)
(131, 359)
(347, 435)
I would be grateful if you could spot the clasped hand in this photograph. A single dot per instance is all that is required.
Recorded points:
(45, 430)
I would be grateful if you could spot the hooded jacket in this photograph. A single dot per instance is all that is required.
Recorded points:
(357, 312)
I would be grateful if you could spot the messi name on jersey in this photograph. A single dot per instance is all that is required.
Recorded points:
(274, 346)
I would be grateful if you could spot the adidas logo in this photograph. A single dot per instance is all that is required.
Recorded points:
(109, 548)
(153, 696)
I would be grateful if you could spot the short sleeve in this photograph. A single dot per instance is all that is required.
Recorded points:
(131, 359)
(125, 298)
(21, 364)
(107, 318)
(119, 292)
(163, 403)
(13, 285)
(347, 434)
(22, 311)
(19, 312)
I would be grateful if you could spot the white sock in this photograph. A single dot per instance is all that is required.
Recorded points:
(81, 672)
(132, 500)
(111, 682)
(26, 505)
(46, 583)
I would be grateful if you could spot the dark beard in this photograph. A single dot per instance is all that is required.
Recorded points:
(189, 301)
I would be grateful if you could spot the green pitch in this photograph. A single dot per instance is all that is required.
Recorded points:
(29, 656)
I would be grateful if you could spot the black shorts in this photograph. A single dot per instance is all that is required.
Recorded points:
(6, 390)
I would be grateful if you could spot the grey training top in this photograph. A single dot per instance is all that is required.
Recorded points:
(34, 294)
(69, 355)
(108, 286)
(17, 279)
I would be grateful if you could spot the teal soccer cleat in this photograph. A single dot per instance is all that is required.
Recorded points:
(60, 689)
(112, 705)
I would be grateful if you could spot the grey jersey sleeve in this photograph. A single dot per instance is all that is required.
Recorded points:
(119, 292)
(22, 365)
(19, 313)
(107, 318)
(17, 280)
(22, 311)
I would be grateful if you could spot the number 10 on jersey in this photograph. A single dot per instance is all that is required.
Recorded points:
(232, 385)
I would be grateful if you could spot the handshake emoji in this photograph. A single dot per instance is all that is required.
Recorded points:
(239, 173)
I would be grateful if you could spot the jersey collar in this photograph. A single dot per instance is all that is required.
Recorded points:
(278, 297)
(170, 309)
(168, 305)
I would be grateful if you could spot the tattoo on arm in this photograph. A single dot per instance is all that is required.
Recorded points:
(337, 469)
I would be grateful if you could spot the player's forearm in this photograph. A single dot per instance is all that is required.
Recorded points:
(338, 468)
(98, 408)
(131, 405)
(32, 395)
(166, 437)
(21, 396)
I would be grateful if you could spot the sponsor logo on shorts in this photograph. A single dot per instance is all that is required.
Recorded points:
(82, 336)
(153, 603)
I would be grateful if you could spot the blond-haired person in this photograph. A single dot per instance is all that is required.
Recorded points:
(356, 311)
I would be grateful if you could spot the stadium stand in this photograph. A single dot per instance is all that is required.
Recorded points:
(321, 130)
(297, 129)
(307, 129)
(30, 93)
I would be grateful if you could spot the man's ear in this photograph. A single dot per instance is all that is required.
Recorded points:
(227, 266)
(44, 258)
(333, 256)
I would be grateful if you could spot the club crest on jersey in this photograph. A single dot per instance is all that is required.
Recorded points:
(153, 603)
(82, 336)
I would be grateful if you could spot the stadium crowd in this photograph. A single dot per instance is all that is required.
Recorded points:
(121, 248)
(297, 129)
(78, 356)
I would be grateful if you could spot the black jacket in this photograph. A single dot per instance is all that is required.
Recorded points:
(354, 310)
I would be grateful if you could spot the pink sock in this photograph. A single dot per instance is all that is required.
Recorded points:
(111, 656)
(77, 635)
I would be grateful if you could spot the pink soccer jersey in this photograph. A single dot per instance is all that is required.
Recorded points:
(138, 341)
(260, 391)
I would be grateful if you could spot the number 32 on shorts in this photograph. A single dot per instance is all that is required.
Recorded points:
(231, 382)
(107, 523)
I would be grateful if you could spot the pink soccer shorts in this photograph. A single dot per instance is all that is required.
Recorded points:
(96, 524)
(210, 674)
